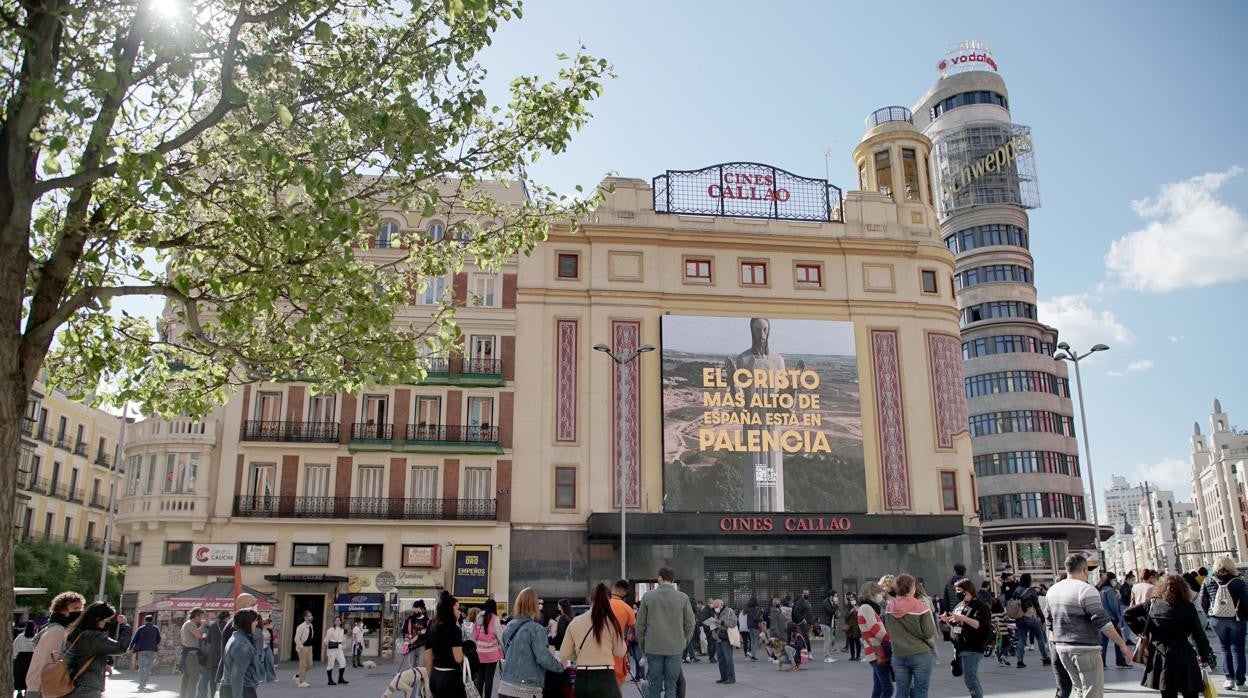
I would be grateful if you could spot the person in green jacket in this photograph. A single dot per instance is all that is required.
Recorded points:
(665, 624)
(911, 628)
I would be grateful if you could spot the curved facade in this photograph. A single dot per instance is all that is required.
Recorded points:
(1027, 465)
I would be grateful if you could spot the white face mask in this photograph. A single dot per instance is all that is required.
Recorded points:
(879, 598)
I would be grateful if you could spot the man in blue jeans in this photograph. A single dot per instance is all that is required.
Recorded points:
(664, 625)
(145, 643)
(1030, 624)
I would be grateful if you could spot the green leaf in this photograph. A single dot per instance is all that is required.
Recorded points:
(324, 33)
(283, 115)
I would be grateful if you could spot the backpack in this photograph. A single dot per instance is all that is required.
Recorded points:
(1027, 602)
(54, 679)
(486, 640)
(1014, 609)
(1223, 605)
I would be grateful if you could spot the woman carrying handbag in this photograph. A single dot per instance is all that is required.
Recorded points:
(1172, 640)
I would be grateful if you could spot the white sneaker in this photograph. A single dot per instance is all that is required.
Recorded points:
(305, 685)
(1229, 685)
(828, 660)
(1242, 688)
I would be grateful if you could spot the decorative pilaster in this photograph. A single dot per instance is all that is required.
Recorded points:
(565, 380)
(626, 408)
(948, 387)
(890, 417)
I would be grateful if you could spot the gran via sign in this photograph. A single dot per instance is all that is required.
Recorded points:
(746, 190)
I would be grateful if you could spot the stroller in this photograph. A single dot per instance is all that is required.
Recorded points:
(1004, 648)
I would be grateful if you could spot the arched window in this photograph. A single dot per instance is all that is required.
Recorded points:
(388, 234)
(460, 232)
(436, 231)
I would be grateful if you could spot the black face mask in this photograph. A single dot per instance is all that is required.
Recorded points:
(69, 617)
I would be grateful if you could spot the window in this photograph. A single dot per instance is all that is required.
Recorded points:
(364, 555)
(261, 482)
(69, 525)
(480, 414)
(884, 173)
(61, 427)
(435, 291)
(808, 275)
(321, 409)
(485, 290)
(388, 234)
(177, 553)
(151, 474)
(985, 236)
(697, 270)
(480, 355)
(310, 555)
(949, 490)
(56, 476)
(929, 281)
(910, 173)
(862, 176)
(436, 231)
(316, 480)
(47, 525)
(569, 265)
(968, 98)
(136, 553)
(422, 482)
(565, 487)
(753, 273)
(257, 554)
(376, 409)
(181, 470)
(428, 417)
(477, 483)
(371, 482)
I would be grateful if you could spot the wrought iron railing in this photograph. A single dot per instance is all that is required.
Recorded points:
(103, 459)
(392, 508)
(59, 490)
(887, 114)
(481, 367)
(304, 432)
(28, 426)
(77, 496)
(369, 431)
(99, 501)
(37, 484)
(80, 449)
(452, 434)
(44, 435)
(62, 442)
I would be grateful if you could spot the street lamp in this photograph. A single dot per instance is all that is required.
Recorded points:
(1068, 354)
(623, 359)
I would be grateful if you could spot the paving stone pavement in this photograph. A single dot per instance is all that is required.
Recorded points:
(843, 678)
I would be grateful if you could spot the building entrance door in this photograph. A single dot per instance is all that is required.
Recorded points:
(736, 579)
(298, 604)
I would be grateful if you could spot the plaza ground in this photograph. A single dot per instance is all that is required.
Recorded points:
(843, 678)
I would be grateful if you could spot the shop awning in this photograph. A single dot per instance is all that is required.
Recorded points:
(359, 603)
(214, 596)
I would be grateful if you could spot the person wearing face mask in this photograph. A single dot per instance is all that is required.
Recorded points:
(64, 610)
(879, 647)
(335, 638)
(303, 647)
(801, 613)
(415, 635)
(357, 644)
(970, 622)
(88, 648)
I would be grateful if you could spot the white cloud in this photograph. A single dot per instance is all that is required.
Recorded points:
(1082, 325)
(1176, 339)
(1167, 473)
(1191, 238)
(1139, 366)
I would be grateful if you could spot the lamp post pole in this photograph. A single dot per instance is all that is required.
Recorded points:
(1074, 357)
(110, 529)
(622, 359)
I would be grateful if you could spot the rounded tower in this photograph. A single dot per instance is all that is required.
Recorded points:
(1026, 457)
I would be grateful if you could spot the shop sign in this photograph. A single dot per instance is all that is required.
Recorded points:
(471, 580)
(428, 579)
(212, 558)
(746, 190)
(384, 581)
(788, 524)
(421, 556)
(966, 56)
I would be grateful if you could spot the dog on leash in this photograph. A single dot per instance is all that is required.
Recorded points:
(370, 664)
(409, 683)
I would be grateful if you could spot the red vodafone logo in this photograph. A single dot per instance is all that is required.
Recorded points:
(201, 554)
(942, 64)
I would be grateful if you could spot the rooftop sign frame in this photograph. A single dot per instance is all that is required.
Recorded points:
(747, 190)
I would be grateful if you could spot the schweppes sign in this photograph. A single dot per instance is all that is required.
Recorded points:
(996, 161)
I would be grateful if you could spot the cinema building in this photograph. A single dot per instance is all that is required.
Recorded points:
(801, 422)
(1026, 457)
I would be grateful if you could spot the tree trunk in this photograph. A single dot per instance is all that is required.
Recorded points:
(13, 396)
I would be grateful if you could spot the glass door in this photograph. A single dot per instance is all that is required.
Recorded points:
(480, 418)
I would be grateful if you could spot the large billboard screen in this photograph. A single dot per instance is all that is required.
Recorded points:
(761, 414)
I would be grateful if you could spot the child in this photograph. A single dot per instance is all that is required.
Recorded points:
(797, 643)
(1005, 634)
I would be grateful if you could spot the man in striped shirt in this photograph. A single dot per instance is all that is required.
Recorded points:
(1075, 620)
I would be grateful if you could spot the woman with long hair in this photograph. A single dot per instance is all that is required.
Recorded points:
(88, 649)
(444, 661)
(242, 665)
(1224, 599)
(911, 629)
(487, 632)
(526, 646)
(1110, 601)
(1176, 640)
(560, 623)
(23, 650)
(875, 637)
(593, 640)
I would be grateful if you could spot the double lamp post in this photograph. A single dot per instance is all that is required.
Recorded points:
(623, 358)
(1068, 354)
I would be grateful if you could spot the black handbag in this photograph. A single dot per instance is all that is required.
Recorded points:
(332, 645)
(956, 665)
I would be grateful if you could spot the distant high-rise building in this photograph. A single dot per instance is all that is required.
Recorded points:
(1219, 484)
(1122, 499)
(1026, 458)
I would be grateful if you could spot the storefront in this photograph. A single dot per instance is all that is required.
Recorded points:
(366, 608)
(764, 556)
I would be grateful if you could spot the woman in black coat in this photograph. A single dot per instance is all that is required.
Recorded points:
(90, 646)
(1172, 624)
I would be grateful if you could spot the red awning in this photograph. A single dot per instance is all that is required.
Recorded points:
(181, 603)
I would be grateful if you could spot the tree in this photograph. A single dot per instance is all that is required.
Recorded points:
(59, 567)
(231, 157)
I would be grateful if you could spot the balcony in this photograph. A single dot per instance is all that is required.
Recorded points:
(93, 544)
(389, 509)
(299, 432)
(44, 435)
(157, 507)
(176, 432)
(426, 438)
(62, 442)
(33, 484)
(458, 370)
(103, 459)
(80, 449)
(28, 426)
(98, 501)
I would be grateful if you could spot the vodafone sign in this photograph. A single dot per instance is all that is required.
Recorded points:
(967, 56)
(213, 558)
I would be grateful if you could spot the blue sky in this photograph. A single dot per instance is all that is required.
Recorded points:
(1129, 102)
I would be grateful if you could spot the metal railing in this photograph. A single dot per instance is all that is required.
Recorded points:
(388, 508)
(90, 543)
(28, 426)
(463, 366)
(62, 442)
(442, 433)
(887, 114)
(34, 484)
(304, 432)
(44, 435)
(80, 449)
(367, 431)
(103, 459)
(99, 501)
